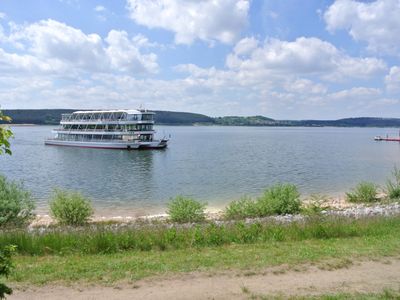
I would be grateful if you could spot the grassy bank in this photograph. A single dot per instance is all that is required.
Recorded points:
(106, 239)
(100, 257)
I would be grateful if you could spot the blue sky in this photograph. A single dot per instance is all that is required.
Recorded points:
(289, 59)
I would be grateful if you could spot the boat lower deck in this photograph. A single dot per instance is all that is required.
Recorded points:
(387, 139)
(109, 145)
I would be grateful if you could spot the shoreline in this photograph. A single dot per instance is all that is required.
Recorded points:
(333, 206)
(336, 200)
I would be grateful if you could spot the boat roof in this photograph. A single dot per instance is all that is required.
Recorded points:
(128, 111)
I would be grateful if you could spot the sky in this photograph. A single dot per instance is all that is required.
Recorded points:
(286, 59)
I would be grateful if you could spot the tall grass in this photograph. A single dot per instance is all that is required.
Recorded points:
(364, 192)
(279, 199)
(184, 210)
(243, 208)
(100, 239)
(393, 185)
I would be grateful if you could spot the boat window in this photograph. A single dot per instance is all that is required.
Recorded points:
(132, 117)
(147, 117)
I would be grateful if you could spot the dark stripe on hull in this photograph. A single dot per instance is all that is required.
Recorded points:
(141, 147)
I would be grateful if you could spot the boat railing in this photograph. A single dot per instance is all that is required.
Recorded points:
(101, 130)
(104, 120)
(91, 120)
(94, 140)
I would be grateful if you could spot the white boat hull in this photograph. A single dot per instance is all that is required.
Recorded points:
(109, 145)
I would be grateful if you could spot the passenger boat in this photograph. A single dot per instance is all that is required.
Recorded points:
(387, 138)
(108, 129)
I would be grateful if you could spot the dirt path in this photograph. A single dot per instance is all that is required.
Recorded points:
(364, 277)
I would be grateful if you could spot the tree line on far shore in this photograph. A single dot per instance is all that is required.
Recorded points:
(53, 117)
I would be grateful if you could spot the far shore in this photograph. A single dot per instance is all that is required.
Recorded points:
(235, 125)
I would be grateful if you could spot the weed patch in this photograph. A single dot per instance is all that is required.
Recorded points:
(364, 192)
(186, 210)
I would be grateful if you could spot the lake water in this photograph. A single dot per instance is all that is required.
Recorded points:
(211, 164)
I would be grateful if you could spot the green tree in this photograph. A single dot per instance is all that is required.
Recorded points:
(5, 251)
(5, 135)
(5, 268)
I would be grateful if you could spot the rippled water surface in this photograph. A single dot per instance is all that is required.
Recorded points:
(212, 164)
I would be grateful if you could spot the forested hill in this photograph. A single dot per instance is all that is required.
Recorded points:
(348, 122)
(36, 116)
(52, 117)
(245, 121)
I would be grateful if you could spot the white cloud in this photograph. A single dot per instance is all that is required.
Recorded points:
(143, 42)
(305, 86)
(358, 67)
(3, 16)
(293, 77)
(217, 95)
(50, 39)
(363, 101)
(356, 93)
(246, 46)
(57, 65)
(125, 55)
(377, 23)
(302, 56)
(273, 15)
(101, 12)
(12, 63)
(196, 71)
(206, 20)
(74, 3)
(392, 80)
(282, 56)
(385, 101)
(65, 47)
(99, 8)
(2, 35)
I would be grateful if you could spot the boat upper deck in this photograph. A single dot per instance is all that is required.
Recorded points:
(109, 117)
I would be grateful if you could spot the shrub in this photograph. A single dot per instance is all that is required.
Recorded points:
(242, 208)
(5, 268)
(70, 208)
(184, 210)
(279, 199)
(16, 204)
(393, 186)
(363, 192)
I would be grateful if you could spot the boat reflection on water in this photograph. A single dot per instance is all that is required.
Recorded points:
(130, 177)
